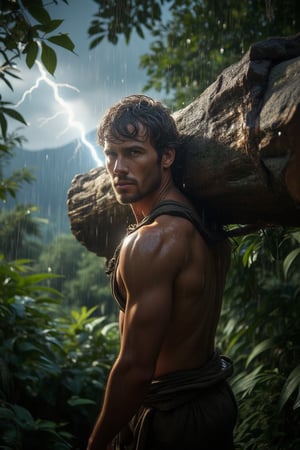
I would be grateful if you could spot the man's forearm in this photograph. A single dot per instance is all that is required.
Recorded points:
(125, 391)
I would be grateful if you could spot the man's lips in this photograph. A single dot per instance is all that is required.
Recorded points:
(121, 184)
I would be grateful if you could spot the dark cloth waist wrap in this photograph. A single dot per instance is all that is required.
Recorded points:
(161, 393)
(170, 392)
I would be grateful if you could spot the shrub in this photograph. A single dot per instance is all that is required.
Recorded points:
(53, 364)
(259, 328)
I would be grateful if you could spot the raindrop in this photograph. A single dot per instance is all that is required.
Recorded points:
(6, 281)
(221, 50)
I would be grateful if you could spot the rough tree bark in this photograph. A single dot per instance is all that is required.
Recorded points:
(241, 142)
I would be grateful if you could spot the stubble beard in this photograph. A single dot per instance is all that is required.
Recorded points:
(131, 198)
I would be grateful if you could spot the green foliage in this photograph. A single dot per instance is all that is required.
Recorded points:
(90, 286)
(26, 28)
(115, 18)
(259, 329)
(202, 38)
(61, 256)
(83, 280)
(6, 111)
(193, 41)
(10, 185)
(17, 226)
(53, 364)
(53, 361)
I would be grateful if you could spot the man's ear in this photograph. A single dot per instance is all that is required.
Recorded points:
(168, 157)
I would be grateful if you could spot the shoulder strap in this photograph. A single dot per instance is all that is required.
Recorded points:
(173, 208)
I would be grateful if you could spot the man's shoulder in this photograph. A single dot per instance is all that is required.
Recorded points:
(165, 234)
(171, 225)
(153, 249)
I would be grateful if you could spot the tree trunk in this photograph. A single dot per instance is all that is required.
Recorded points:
(240, 140)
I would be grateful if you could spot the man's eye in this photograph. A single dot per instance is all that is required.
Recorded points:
(109, 154)
(134, 152)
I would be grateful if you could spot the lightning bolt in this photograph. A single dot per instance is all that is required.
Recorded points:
(66, 109)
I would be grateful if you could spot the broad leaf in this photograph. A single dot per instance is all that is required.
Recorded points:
(288, 261)
(14, 114)
(22, 415)
(48, 58)
(49, 26)
(3, 125)
(62, 40)
(258, 349)
(31, 51)
(77, 401)
(291, 384)
(37, 11)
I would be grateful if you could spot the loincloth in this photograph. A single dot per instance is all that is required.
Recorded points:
(184, 396)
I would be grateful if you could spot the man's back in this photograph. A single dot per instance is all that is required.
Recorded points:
(173, 247)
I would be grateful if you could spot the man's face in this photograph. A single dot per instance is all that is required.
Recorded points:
(133, 167)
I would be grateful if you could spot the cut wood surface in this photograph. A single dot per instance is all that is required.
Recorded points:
(241, 142)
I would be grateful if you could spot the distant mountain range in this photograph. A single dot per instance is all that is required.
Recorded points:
(54, 169)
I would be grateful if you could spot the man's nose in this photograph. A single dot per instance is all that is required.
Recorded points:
(120, 165)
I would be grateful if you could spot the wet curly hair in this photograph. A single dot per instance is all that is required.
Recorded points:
(155, 118)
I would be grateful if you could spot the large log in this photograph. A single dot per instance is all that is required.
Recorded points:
(240, 140)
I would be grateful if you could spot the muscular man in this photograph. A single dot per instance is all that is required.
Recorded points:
(167, 389)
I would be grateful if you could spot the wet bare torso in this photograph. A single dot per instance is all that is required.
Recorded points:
(197, 290)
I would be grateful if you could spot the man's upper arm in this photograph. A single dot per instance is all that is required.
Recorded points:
(148, 267)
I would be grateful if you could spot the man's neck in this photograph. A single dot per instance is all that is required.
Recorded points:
(142, 208)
